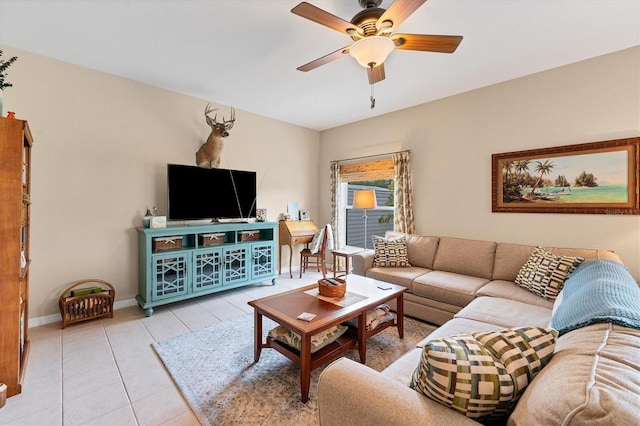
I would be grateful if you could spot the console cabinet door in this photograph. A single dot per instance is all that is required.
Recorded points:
(263, 260)
(236, 268)
(207, 270)
(169, 275)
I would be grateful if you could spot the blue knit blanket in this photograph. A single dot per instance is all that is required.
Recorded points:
(600, 291)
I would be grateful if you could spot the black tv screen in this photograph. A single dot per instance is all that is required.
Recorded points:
(198, 193)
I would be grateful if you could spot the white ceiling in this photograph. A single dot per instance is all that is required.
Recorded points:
(245, 52)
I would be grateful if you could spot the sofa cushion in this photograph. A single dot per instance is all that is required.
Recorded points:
(467, 257)
(587, 254)
(448, 287)
(544, 273)
(401, 370)
(399, 276)
(593, 378)
(505, 313)
(457, 326)
(420, 249)
(509, 290)
(390, 252)
(428, 309)
(509, 259)
(481, 375)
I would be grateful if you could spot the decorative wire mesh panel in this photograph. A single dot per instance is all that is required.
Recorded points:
(170, 277)
(235, 266)
(262, 258)
(208, 271)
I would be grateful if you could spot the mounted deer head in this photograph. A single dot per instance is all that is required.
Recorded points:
(223, 127)
(210, 152)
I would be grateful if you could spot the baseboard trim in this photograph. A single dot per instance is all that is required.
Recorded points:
(50, 319)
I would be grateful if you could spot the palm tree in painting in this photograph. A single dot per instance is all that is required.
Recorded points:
(507, 166)
(544, 169)
(522, 166)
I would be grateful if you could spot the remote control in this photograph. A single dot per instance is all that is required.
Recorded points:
(333, 282)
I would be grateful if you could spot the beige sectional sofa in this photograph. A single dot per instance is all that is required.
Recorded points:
(468, 286)
(446, 273)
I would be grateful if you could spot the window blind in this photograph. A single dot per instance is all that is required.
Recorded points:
(368, 170)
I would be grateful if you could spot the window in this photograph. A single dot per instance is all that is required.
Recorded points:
(376, 175)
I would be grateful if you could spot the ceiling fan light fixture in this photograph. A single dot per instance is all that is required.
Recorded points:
(371, 50)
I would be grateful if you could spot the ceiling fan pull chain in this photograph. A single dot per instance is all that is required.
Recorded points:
(372, 98)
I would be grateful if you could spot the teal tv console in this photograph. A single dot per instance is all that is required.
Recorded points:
(181, 262)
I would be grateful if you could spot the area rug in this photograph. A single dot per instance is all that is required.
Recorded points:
(214, 369)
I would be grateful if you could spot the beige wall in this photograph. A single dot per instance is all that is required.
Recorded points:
(101, 148)
(452, 141)
(102, 143)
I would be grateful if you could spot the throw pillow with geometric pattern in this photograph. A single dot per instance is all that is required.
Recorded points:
(390, 252)
(534, 345)
(482, 375)
(544, 273)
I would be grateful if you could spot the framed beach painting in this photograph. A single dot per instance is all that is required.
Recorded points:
(590, 178)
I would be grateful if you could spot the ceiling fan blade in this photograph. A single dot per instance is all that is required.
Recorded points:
(323, 17)
(399, 11)
(325, 59)
(376, 74)
(427, 43)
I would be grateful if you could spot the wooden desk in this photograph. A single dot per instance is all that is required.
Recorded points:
(294, 232)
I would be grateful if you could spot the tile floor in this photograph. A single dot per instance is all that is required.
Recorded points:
(105, 372)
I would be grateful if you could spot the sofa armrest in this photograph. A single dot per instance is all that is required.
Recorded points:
(362, 262)
(350, 393)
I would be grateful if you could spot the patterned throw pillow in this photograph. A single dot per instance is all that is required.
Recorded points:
(482, 375)
(318, 341)
(544, 273)
(314, 246)
(390, 252)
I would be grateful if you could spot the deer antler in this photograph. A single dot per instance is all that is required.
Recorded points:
(207, 111)
(228, 124)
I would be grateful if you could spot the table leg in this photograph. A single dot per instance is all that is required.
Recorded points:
(257, 327)
(400, 315)
(305, 366)
(280, 259)
(362, 337)
(291, 260)
(346, 265)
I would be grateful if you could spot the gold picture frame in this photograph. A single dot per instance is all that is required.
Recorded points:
(589, 178)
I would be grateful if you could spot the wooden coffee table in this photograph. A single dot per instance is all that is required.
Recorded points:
(362, 295)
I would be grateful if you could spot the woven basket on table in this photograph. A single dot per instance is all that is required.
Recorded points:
(326, 289)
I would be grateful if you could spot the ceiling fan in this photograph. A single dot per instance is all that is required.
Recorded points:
(372, 31)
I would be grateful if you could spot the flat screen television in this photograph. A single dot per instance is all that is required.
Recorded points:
(195, 193)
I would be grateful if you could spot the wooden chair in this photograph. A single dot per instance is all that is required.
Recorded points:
(318, 258)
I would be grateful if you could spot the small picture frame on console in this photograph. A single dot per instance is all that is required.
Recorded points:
(261, 215)
(304, 215)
